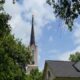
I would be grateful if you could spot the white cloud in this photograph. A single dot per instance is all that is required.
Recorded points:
(76, 39)
(20, 26)
(12, 9)
(65, 56)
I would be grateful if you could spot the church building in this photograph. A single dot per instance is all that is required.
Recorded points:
(61, 70)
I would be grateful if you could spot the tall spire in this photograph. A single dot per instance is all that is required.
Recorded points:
(32, 39)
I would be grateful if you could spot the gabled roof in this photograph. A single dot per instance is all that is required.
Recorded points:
(63, 68)
(77, 66)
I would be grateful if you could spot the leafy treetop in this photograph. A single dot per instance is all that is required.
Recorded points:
(75, 57)
(67, 10)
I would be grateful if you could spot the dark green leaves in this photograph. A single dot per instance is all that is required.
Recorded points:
(75, 57)
(67, 10)
(4, 26)
(34, 75)
(14, 56)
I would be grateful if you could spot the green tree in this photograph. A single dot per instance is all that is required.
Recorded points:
(13, 59)
(34, 75)
(67, 10)
(75, 57)
(4, 27)
(14, 56)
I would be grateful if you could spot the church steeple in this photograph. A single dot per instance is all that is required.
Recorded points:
(34, 61)
(32, 39)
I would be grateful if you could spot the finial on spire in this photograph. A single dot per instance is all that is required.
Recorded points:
(32, 39)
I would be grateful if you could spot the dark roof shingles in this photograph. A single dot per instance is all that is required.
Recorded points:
(63, 68)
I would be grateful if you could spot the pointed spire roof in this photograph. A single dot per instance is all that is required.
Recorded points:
(32, 39)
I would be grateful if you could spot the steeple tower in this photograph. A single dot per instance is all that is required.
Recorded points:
(32, 39)
(34, 62)
(33, 44)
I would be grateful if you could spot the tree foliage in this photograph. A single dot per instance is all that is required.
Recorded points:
(67, 10)
(4, 26)
(34, 75)
(13, 59)
(75, 57)
(14, 56)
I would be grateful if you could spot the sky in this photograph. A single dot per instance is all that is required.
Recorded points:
(54, 40)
